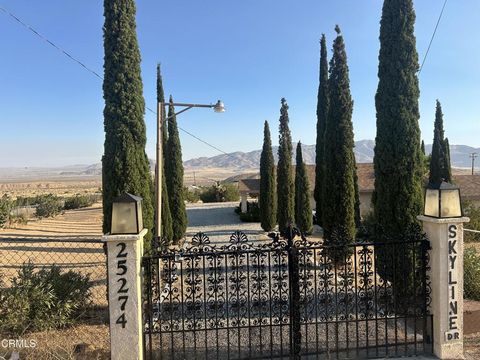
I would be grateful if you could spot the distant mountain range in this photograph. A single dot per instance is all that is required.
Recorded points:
(238, 161)
(364, 151)
(251, 160)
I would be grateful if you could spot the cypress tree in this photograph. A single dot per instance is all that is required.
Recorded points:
(439, 162)
(167, 230)
(358, 217)
(322, 111)
(339, 200)
(423, 148)
(285, 186)
(398, 194)
(125, 166)
(447, 166)
(268, 198)
(303, 212)
(174, 177)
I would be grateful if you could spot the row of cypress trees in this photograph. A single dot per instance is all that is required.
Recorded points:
(174, 215)
(337, 208)
(397, 199)
(336, 190)
(398, 196)
(283, 198)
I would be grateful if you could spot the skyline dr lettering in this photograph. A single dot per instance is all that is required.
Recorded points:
(452, 333)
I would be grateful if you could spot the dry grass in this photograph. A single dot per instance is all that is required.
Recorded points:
(80, 342)
(65, 187)
(89, 338)
(471, 345)
(85, 222)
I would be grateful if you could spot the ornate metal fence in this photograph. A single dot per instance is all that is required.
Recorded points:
(286, 299)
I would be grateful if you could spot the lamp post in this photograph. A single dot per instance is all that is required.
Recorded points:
(218, 107)
(443, 224)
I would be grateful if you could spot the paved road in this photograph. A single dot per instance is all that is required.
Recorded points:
(219, 221)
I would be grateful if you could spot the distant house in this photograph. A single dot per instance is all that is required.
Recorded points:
(248, 188)
(469, 187)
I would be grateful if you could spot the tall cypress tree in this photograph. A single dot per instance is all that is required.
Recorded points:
(268, 196)
(285, 186)
(322, 111)
(398, 192)
(167, 230)
(439, 162)
(174, 177)
(339, 200)
(423, 147)
(303, 212)
(125, 166)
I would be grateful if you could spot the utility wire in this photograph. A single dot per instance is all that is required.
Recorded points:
(93, 72)
(50, 42)
(433, 36)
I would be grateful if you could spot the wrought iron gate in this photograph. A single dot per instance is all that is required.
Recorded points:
(286, 299)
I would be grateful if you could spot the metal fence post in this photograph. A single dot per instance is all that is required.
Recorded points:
(294, 288)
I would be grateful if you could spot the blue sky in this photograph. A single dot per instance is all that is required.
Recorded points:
(248, 53)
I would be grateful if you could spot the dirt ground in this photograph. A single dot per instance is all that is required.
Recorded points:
(65, 187)
(86, 222)
(471, 345)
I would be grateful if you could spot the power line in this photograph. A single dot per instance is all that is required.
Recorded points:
(93, 72)
(433, 36)
(13, 16)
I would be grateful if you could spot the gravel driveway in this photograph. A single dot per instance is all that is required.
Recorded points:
(219, 221)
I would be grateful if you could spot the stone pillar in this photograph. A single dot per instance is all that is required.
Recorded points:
(124, 253)
(446, 275)
(243, 207)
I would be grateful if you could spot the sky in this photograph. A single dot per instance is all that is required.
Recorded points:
(248, 53)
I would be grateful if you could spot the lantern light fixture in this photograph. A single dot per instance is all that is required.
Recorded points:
(442, 200)
(127, 215)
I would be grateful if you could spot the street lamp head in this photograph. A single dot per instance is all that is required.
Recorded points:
(219, 107)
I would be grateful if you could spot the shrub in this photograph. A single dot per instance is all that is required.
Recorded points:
(210, 194)
(42, 300)
(252, 214)
(230, 192)
(19, 219)
(473, 212)
(5, 209)
(220, 193)
(471, 271)
(79, 201)
(191, 195)
(48, 206)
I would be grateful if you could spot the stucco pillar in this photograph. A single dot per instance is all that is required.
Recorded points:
(244, 207)
(124, 254)
(446, 275)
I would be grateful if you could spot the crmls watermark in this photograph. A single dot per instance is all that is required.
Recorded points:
(18, 343)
